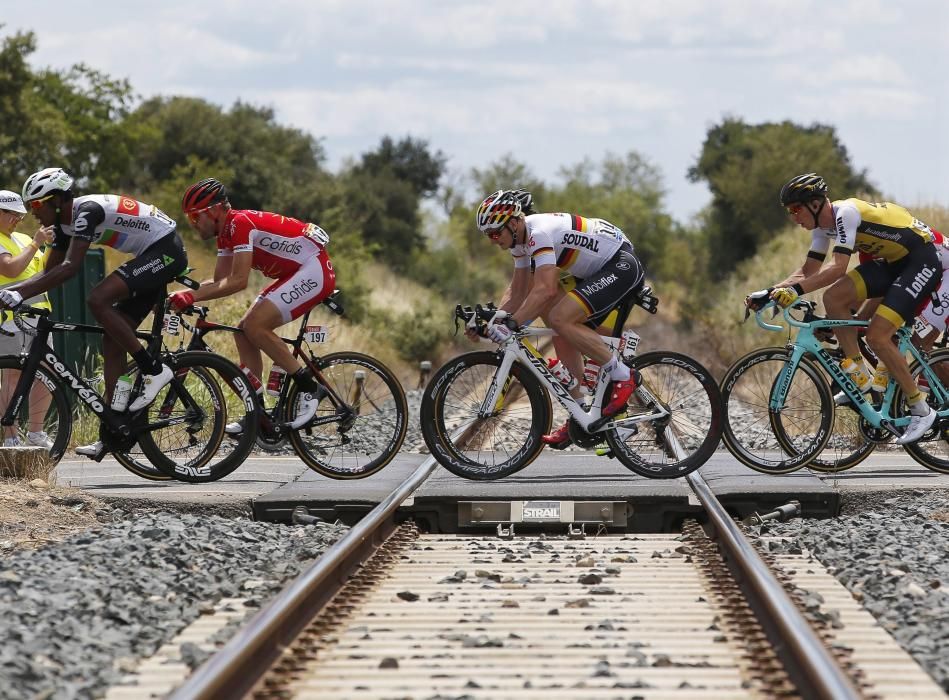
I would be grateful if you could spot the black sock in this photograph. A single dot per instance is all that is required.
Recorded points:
(146, 363)
(305, 379)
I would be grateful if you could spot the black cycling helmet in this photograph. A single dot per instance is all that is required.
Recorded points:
(802, 189)
(203, 194)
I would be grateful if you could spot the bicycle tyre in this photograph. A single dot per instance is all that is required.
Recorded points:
(57, 421)
(357, 443)
(135, 459)
(455, 435)
(749, 423)
(932, 449)
(238, 405)
(689, 391)
(847, 446)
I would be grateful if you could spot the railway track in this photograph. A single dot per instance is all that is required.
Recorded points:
(391, 612)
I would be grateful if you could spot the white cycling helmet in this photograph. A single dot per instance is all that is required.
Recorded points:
(46, 182)
(10, 201)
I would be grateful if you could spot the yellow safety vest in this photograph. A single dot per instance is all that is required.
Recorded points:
(14, 245)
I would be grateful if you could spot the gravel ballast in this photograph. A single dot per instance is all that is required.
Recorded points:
(74, 613)
(891, 550)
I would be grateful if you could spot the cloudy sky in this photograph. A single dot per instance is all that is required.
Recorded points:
(551, 82)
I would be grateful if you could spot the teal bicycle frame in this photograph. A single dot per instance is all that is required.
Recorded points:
(806, 344)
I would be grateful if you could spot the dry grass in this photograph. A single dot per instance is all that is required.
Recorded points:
(35, 515)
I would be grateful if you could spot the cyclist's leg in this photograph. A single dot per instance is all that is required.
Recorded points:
(867, 281)
(285, 300)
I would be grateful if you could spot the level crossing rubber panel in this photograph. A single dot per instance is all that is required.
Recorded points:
(556, 489)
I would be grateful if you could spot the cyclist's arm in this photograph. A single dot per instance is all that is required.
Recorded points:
(517, 291)
(545, 287)
(60, 267)
(810, 276)
(234, 281)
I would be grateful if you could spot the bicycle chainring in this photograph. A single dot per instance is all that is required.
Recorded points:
(875, 435)
(581, 438)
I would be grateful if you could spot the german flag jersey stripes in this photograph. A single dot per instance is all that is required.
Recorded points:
(879, 230)
(573, 243)
(115, 221)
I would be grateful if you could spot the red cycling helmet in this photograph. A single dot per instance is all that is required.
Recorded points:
(203, 194)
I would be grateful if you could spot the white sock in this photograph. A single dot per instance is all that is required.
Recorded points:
(617, 370)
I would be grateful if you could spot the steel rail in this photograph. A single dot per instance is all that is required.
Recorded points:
(809, 663)
(234, 670)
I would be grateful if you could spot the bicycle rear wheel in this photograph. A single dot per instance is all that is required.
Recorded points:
(483, 448)
(34, 414)
(359, 425)
(185, 430)
(686, 399)
(751, 427)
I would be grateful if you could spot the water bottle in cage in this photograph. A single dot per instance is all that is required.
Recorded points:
(629, 341)
(562, 374)
(275, 381)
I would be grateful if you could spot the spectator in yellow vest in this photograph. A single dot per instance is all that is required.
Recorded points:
(21, 257)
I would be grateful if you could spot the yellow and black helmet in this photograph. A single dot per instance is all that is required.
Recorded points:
(802, 189)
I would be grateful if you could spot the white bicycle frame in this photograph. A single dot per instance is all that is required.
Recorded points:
(516, 349)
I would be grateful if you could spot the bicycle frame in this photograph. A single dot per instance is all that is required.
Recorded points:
(806, 344)
(203, 327)
(118, 423)
(519, 349)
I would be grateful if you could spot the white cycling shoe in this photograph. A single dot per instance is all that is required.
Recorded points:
(39, 439)
(90, 450)
(306, 409)
(917, 426)
(12, 442)
(152, 384)
(235, 428)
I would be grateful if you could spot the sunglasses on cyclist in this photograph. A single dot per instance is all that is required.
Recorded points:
(495, 235)
(36, 204)
(795, 209)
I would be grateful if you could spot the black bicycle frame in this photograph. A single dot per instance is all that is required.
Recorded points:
(117, 422)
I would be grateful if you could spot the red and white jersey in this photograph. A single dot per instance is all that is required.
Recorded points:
(279, 243)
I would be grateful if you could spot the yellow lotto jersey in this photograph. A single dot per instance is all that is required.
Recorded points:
(880, 229)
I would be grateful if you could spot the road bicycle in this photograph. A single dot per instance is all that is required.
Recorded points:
(779, 408)
(361, 421)
(483, 413)
(179, 435)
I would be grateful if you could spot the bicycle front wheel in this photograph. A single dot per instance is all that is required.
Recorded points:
(183, 435)
(751, 427)
(360, 423)
(45, 414)
(687, 407)
(932, 449)
(483, 448)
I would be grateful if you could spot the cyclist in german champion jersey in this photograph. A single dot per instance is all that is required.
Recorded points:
(289, 251)
(125, 297)
(595, 252)
(904, 271)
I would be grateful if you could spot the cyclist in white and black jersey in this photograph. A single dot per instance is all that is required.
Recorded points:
(593, 251)
(122, 300)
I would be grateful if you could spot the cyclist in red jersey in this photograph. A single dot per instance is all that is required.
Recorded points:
(287, 250)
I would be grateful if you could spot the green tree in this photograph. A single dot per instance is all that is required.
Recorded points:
(71, 119)
(384, 192)
(745, 166)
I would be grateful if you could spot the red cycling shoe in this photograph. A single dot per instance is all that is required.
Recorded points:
(621, 393)
(558, 439)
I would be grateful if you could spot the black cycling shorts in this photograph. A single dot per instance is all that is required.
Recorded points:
(148, 275)
(905, 285)
(601, 291)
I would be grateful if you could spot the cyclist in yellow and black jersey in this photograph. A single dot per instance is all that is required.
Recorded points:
(904, 271)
